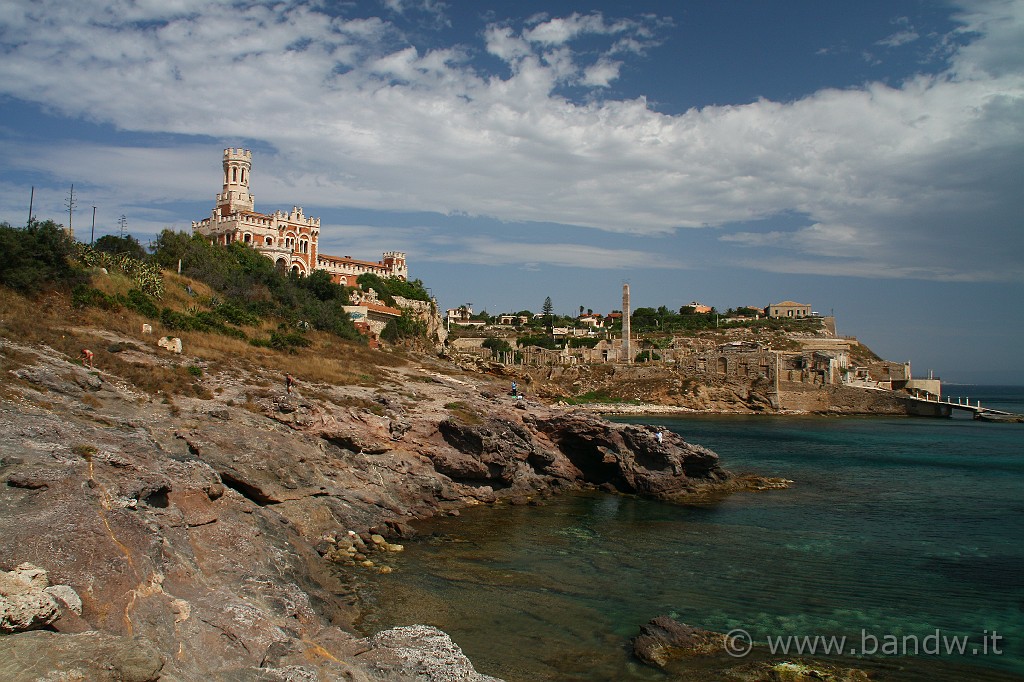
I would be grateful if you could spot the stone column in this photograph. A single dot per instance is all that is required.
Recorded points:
(625, 324)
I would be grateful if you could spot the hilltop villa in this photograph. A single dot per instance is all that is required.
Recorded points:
(789, 309)
(288, 239)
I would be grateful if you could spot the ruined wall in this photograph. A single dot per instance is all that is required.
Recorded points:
(801, 397)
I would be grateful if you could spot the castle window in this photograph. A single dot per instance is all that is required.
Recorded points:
(269, 241)
(248, 238)
(234, 174)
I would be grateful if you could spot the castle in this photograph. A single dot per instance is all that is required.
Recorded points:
(288, 239)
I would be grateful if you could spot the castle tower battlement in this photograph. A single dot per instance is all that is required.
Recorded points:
(235, 195)
(394, 261)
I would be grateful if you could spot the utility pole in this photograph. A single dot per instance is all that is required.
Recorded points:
(123, 222)
(31, 198)
(72, 205)
(92, 236)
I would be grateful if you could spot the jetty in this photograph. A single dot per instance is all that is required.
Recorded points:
(936, 406)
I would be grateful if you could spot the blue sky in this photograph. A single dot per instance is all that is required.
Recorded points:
(864, 157)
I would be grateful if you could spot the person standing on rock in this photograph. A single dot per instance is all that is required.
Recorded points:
(659, 436)
(289, 381)
(86, 357)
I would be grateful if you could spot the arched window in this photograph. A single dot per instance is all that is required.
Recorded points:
(234, 174)
(243, 176)
(295, 270)
(269, 241)
(281, 265)
(248, 238)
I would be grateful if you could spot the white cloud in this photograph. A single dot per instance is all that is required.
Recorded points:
(602, 73)
(899, 38)
(914, 178)
(485, 251)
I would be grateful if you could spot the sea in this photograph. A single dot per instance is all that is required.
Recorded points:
(900, 539)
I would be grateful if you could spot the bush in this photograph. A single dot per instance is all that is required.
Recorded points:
(542, 340)
(38, 257)
(141, 303)
(497, 345)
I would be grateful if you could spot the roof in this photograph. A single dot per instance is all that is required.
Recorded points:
(346, 259)
(382, 309)
(792, 303)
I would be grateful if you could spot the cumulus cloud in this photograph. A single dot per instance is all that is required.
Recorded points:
(914, 177)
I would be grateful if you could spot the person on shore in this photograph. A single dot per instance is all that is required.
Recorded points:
(515, 388)
(289, 381)
(659, 436)
(86, 358)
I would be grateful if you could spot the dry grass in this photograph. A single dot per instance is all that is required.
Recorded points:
(50, 320)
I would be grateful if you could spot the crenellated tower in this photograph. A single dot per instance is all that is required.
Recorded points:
(235, 195)
(394, 261)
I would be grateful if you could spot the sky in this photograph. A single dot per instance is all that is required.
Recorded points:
(862, 156)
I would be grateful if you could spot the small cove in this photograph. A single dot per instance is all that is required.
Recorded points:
(893, 527)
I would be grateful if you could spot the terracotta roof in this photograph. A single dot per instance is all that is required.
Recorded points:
(382, 309)
(346, 259)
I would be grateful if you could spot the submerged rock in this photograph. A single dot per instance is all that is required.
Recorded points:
(664, 639)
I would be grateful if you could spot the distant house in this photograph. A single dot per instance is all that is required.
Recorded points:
(512, 319)
(698, 307)
(592, 320)
(460, 314)
(790, 309)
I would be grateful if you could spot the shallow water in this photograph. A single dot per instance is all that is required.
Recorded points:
(893, 528)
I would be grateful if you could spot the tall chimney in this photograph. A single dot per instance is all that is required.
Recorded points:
(625, 323)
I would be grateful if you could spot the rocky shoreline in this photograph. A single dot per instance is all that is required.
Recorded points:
(209, 532)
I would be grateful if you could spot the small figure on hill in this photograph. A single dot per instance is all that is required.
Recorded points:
(289, 381)
(658, 436)
(515, 389)
(86, 358)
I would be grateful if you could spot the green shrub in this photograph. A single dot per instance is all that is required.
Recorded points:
(38, 257)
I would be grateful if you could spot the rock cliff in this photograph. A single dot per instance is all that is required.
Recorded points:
(208, 538)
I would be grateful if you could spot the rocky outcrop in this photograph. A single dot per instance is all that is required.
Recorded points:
(421, 653)
(211, 534)
(643, 460)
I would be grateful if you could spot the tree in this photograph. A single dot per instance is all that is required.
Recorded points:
(114, 245)
(546, 310)
(37, 257)
(320, 285)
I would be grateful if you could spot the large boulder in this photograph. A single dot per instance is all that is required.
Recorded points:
(632, 458)
(421, 653)
(29, 602)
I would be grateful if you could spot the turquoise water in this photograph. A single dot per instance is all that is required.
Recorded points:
(893, 527)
